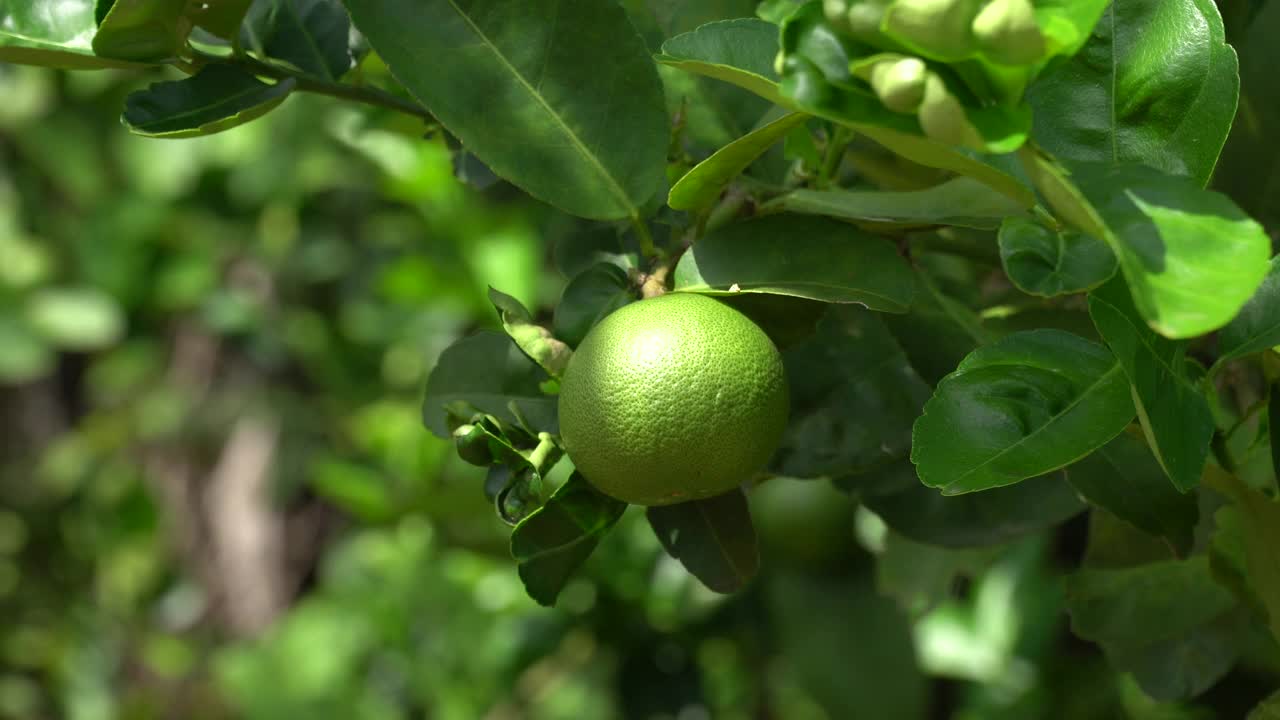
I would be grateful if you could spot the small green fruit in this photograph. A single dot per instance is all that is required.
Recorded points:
(672, 399)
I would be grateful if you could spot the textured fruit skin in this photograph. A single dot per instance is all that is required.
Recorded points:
(671, 399)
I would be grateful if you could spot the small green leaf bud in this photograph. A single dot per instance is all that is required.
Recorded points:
(864, 18)
(1007, 32)
(943, 118)
(898, 80)
(937, 29)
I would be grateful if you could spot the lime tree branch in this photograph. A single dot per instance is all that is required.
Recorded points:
(356, 93)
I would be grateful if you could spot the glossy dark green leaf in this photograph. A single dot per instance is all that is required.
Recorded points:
(1023, 406)
(1167, 621)
(937, 332)
(1183, 667)
(1124, 478)
(53, 33)
(1156, 84)
(143, 30)
(702, 185)
(977, 519)
(222, 17)
(577, 251)
(560, 97)
(800, 256)
(1259, 526)
(712, 538)
(553, 541)
(1257, 327)
(219, 98)
(787, 320)
(854, 397)
(536, 341)
(1249, 168)
(589, 296)
(850, 648)
(1191, 257)
(1174, 414)
(1132, 607)
(735, 51)
(962, 201)
(1047, 262)
(311, 35)
(487, 372)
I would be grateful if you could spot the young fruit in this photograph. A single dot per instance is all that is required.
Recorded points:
(670, 399)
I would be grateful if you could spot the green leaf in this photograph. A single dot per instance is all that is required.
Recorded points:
(1249, 168)
(712, 538)
(936, 155)
(1174, 414)
(976, 519)
(219, 98)
(143, 30)
(800, 256)
(575, 252)
(735, 51)
(552, 542)
(487, 372)
(536, 341)
(1124, 478)
(560, 97)
(1023, 406)
(53, 33)
(1191, 257)
(1268, 709)
(702, 185)
(961, 201)
(775, 11)
(786, 320)
(588, 298)
(311, 35)
(1259, 525)
(1166, 621)
(1049, 262)
(1156, 84)
(853, 398)
(937, 332)
(1257, 327)
(222, 17)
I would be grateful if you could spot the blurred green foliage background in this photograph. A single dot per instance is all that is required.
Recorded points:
(217, 499)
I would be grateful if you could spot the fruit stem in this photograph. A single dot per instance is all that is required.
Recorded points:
(644, 237)
(655, 283)
(836, 145)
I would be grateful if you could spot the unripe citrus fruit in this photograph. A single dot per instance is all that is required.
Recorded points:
(674, 398)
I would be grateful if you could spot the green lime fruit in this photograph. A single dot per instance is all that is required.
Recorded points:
(671, 399)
